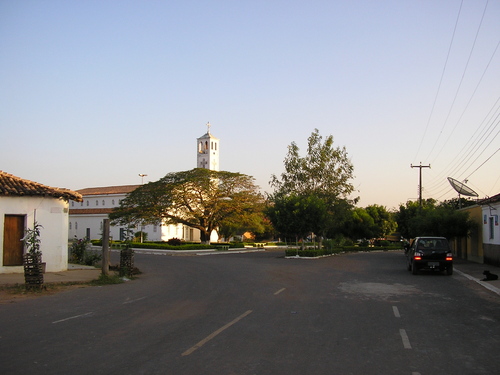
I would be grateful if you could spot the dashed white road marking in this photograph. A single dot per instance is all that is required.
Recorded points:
(72, 317)
(212, 335)
(396, 311)
(133, 300)
(404, 337)
(279, 291)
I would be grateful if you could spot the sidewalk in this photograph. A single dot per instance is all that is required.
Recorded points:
(474, 271)
(75, 273)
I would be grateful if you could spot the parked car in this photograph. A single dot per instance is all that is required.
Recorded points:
(431, 253)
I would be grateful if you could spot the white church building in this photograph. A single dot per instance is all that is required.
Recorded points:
(86, 217)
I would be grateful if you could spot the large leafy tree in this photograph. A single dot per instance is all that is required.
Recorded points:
(296, 215)
(408, 215)
(383, 220)
(359, 225)
(320, 178)
(199, 198)
(433, 220)
(252, 221)
(370, 222)
(325, 170)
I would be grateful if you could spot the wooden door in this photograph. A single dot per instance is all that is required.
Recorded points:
(13, 247)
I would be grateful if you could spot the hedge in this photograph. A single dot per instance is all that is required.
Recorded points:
(311, 253)
(166, 246)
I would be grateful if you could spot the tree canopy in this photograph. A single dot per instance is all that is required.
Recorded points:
(373, 221)
(324, 171)
(296, 215)
(199, 198)
(432, 220)
(313, 191)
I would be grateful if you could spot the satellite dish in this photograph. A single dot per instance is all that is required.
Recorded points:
(461, 188)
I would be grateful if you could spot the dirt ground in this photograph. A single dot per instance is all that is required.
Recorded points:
(16, 293)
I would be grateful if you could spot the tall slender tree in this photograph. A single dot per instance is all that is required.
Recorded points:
(323, 175)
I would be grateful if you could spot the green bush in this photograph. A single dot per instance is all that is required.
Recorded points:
(80, 253)
(174, 242)
(137, 236)
(311, 253)
(364, 243)
(237, 245)
(308, 253)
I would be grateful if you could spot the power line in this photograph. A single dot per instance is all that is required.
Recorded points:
(483, 163)
(482, 153)
(461, 81)
(440, 80)
(470, 99)
(471, 146)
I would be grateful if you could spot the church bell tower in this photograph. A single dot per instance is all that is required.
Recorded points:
(208, 151)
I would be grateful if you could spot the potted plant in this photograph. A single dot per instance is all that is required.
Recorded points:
(32, 259)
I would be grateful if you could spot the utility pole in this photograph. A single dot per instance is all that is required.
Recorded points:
(420, 180)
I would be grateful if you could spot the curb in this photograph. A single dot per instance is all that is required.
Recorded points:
(482, 283)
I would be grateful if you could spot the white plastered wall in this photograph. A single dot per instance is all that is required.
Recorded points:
(52, 215)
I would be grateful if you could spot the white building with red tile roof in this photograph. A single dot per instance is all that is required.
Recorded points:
(21, 203)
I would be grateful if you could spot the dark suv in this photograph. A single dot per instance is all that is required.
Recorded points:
(432, 253)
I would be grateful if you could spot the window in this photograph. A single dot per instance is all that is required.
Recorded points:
(76, 225)
(113, 202)
(103, 203)
(97, 203)
(72, 204)
(81, 204)
(70, 225)
(88, 202)
(100, 227)
(492, 228)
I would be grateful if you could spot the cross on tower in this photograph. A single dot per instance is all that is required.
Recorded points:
(208, 127)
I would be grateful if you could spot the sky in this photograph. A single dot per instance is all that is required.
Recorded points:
(94, 93)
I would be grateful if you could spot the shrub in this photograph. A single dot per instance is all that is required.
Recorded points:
(364, 243)
(381, 243)
(311, 253)
(80, 253)
(137, 236)
(174, 242)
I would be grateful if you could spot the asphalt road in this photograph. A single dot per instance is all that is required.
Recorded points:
(259, 313)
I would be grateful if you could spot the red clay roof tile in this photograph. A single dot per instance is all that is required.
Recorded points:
(11, 185)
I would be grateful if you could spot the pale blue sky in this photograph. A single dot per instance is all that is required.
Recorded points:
(92, 93)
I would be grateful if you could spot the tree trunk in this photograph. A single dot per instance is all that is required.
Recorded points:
(205, 237)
